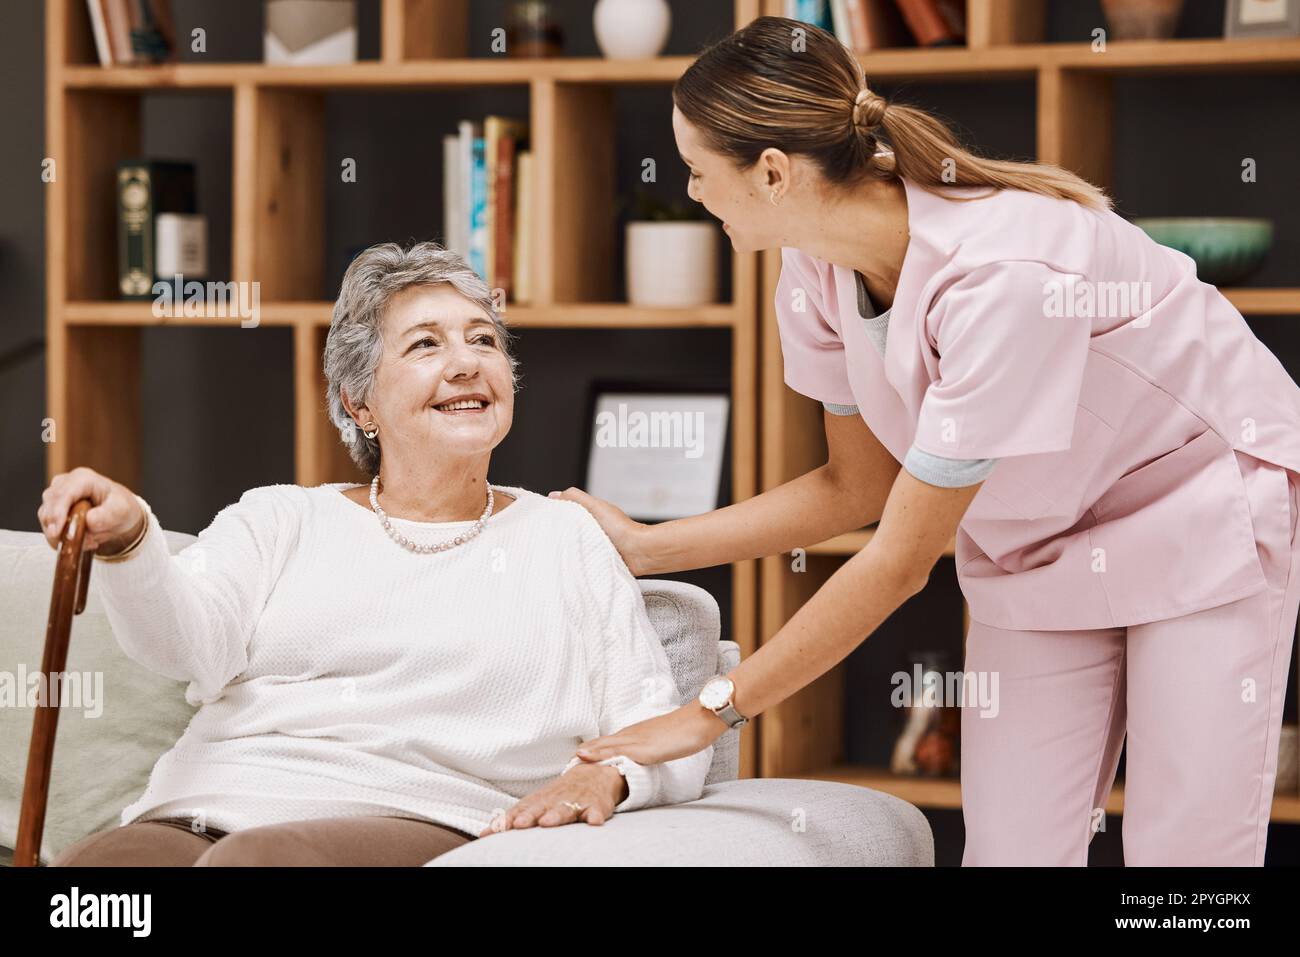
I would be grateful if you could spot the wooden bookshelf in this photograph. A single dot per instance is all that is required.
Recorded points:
(94, 118)
(804, 735)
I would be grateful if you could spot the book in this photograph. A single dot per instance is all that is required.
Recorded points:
(840, 18)
(500, 134)
(146, 188)
(453, 207)
(505, 214)
(129, 32)
(486, 190)
(816, 12)
(99, 27)
(478, 233)
(522, 288)
(117, 18)
(474, 190)
(180, 247)
(876, 25)
(935, 22)
(469, 131)
(153, 37)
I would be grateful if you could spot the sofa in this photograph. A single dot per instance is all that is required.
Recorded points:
(104, 753)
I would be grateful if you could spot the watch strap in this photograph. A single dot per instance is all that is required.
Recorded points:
(729, 714)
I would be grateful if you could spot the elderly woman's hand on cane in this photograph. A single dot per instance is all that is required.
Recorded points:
(114, 521)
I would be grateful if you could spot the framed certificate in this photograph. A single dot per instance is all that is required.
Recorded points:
(655, 451)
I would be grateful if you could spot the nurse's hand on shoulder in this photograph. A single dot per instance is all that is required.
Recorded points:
(622, 531)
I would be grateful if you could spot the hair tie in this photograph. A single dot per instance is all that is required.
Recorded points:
(875, 108)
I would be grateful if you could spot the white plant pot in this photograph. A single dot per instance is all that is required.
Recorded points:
(672, 263)
(632, 29)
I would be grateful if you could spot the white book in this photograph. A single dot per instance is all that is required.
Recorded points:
(97, 26)
(466, 128)
(452, 202)
(840, 20)
(180, 245)
(523, 279)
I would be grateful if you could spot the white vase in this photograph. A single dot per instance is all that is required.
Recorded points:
(632, 29)
(672, 263)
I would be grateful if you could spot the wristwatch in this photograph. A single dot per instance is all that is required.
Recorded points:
(716, 695)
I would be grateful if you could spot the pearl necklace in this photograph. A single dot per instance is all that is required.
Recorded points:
(442, 546)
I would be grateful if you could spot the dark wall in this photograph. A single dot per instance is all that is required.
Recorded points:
(22, 266)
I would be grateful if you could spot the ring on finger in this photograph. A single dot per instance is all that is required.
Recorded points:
(579, 808)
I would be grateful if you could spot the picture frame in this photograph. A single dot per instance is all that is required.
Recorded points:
(664, 481)
(1251, 19)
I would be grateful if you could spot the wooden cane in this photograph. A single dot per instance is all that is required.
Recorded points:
(71, 583)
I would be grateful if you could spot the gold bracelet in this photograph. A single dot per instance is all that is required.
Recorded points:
(126, 552)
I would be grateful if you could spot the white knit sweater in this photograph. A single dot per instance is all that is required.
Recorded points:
(340, 674)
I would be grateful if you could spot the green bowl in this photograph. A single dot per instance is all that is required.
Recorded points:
(1226, 249)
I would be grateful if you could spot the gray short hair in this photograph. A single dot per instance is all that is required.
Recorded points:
(355, 341)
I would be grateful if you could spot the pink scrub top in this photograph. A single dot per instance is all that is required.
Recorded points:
(1111, 385)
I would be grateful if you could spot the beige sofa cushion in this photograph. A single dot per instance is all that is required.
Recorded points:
(105, 747)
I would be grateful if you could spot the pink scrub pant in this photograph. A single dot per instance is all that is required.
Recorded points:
(1200, 698)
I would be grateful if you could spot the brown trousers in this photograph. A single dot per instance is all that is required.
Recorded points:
(363, 841)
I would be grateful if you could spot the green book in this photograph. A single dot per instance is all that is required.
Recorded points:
(146, 188)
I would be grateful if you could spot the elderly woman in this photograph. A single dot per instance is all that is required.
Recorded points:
(383, 671)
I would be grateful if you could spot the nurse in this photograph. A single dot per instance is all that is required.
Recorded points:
(1002, 358)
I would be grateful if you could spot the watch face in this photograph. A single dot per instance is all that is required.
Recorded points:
(716, 693)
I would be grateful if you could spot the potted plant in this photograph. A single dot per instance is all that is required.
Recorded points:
(671, 254)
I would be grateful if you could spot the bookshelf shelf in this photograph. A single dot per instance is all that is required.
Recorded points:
(1264, 302)
(1181, 56)
(945, 793)
(1119, 57)
(586, 315)
(479, 71)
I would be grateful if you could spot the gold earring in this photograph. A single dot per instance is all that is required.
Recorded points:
(370, 431)
(772, 197)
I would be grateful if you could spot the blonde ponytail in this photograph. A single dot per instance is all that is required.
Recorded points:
(926, 152)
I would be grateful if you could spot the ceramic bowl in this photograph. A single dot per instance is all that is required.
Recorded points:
(1226, 249)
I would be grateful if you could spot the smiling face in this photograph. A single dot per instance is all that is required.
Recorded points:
(443, 385)
(740, 199)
